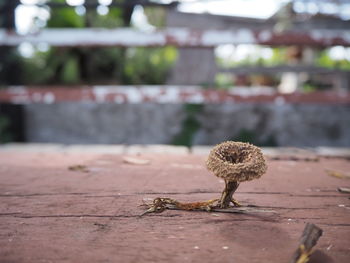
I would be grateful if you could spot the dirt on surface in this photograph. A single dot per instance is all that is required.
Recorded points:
(50, 213)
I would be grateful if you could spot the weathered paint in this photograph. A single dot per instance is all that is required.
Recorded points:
(182, 37)
(164, 94)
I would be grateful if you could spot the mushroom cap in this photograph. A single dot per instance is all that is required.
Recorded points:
(236, 161)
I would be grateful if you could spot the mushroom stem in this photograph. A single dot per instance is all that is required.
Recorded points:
(226, 196)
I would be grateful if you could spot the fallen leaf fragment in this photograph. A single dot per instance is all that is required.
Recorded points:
(79, 167)
(338, 174)
(136, 161)
(160, 204)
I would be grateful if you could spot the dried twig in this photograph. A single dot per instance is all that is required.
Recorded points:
(308, 240)
(344, 190)
(79, 167)
(159, 204)
(338, 174)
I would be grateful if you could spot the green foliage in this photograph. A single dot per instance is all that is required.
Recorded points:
(245, 136)
(10, 66)
(64, 17)
(96, 65)
(105, 64)
(102, 65)
(250, 136)
(2, 18)
(278, 57)
(70, 71)
(189, 126)
(146, 65)
(308, 87)
(324, 60)
(5, 136)
(223, 81)
(111, 20)
(42, 67)
(156, 16)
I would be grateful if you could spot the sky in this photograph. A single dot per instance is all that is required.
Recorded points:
(245, 8)
(261, 9)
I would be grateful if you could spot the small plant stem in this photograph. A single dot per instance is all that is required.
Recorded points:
(226, 197)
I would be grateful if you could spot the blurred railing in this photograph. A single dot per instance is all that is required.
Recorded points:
(179, 37)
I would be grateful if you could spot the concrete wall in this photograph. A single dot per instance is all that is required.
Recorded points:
(103, 123)
(284, 125)
(266, 124)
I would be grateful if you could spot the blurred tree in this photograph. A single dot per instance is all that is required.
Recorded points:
(5, 136)
(79, 65)
(156, 16)
(324, 60)
(10, 61)
(149, 66)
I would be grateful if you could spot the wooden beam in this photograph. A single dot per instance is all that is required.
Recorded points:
(180, 37)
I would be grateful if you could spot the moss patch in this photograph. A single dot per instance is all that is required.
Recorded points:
(250, 136)
(190, 125)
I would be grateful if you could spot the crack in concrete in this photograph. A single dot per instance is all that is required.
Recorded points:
(288, 208)
(328, 224)
(90, 195)
(20, 215)
(40, 194)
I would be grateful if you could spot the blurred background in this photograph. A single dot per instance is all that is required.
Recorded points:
(190, 72)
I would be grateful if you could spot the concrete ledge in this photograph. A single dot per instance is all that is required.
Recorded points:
(169, 149)
(32, 147)
(52, 147)
(333, 152)
(201, 150)
(96, 148)
(93, 148)
(281, 153)
(271, 152)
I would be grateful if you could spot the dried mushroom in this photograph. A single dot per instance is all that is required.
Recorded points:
(235, 162)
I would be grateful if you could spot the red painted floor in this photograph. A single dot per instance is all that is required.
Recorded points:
(49, 213)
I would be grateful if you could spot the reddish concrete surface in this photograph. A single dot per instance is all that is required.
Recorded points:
(49, 213)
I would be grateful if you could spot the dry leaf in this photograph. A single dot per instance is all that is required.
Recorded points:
(338, 174)
(136, 161)
(78, 167)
